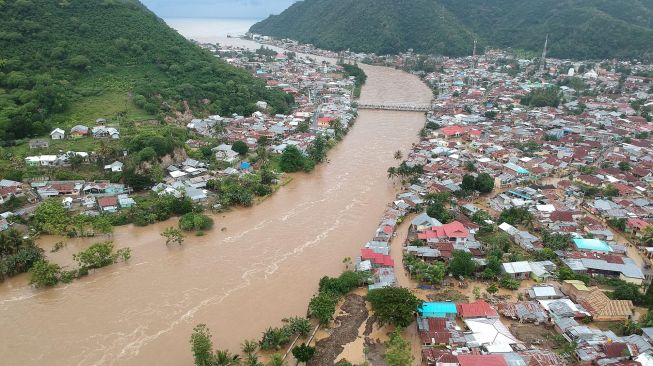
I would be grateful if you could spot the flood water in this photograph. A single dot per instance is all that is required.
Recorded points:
(264, 266)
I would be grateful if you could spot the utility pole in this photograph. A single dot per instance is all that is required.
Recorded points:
(543, 64)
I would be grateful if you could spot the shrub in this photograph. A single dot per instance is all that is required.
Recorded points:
(44, 274)
(195, 221)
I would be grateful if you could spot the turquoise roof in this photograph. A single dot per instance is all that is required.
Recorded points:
(592, 244)
(438, 307)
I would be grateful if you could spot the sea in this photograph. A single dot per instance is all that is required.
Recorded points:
(210, 30)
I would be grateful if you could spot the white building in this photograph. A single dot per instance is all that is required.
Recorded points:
(57, 134)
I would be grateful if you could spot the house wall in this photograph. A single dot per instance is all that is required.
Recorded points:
(636, 281)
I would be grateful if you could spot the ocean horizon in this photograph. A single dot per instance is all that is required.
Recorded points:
(207, 29)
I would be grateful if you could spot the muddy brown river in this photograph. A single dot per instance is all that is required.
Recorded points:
(263, 267)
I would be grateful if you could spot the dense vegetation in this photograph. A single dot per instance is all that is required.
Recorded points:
(98, 255)
(576, 28)
(59, 60)
(358, 73)
(17, 254)
(323, 305)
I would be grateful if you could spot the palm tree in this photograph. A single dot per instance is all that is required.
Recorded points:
(249, 348)
(226, 358)
(398, 155)
(276, 360)
(392, 172)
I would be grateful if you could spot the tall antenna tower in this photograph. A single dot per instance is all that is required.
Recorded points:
(543, 62)
(474, 52)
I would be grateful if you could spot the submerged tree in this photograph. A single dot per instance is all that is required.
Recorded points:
(398, 352)
(303, 353)
(173, 235)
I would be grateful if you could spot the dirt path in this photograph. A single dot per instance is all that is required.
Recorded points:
(328, 349)
(397, 253)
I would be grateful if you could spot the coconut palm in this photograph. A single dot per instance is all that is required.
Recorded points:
(392, 172)
(276, 360)
(249, 348)
(226, 358)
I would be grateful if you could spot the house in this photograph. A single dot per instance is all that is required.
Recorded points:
(518, 270)
(477, 309)
(524, 311)
(439, 331)
(525, 239)
(114, 167)
(89, 202)
(108, 204)
(10, 191)
(544, 292)
(41, 160)
(594, 245)
(616, 266)
(481, 360)
(597, 303)
(438, 310)
(438, 357)
(78, 131)
(125, 201)
(377, 259)
(603, 308)
(38, 144)
(224, 153)
(491, 334)
(541, 357)
(381, 277)
(57, 134)
(452, 131)
(635, 226)
(452, 232)
(572, 288)
(195, 194)
(105, 132)
(423, 222)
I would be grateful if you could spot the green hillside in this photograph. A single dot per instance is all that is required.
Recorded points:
(576, 28)
(64, 62)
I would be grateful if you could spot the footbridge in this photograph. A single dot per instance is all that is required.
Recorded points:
(405, 107)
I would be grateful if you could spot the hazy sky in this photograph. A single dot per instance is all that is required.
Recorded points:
(258, 9)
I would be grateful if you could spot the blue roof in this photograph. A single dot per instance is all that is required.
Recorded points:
(592, 244)
(245, 165)
(519, 195)
(438, 307)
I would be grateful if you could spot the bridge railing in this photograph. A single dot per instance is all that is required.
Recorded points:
(396, 106)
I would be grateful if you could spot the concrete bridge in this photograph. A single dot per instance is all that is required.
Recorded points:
(405, 107)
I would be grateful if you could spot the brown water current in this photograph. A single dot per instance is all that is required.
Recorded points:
(263, 267)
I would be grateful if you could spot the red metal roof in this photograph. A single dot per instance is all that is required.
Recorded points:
(478, 309)
(107, 201)
(481, 360)
(377, 258)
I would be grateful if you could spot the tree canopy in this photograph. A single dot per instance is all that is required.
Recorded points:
(394, 305)
(461, 264)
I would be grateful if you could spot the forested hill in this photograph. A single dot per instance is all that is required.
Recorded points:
(79, 58)
(581, 29)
